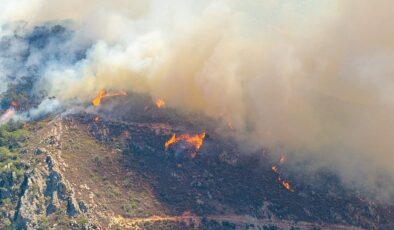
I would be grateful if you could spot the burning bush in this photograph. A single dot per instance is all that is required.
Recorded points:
(185, 144)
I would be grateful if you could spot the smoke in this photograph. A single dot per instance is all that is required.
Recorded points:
(313, 79)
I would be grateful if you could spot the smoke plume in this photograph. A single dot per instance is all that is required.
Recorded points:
(311, 78)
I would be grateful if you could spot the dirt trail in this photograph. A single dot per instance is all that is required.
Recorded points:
(134, 223)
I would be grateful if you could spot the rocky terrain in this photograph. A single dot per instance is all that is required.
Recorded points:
(106, 170)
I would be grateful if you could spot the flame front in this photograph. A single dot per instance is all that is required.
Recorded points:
(196, 141)
(171, 141)
(160, 103)
(97, 100)
(103, 94)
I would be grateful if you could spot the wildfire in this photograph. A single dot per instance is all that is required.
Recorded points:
(274, 168)
(171, 141)
(284, 182)
(282, 159)
(7, 115)
(160, 103)
(286, 185)
(97, 100)
(103, 94)
(97, 119)
(196, 141)
(14, 104)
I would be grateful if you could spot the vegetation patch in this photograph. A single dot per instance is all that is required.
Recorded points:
(12, 169)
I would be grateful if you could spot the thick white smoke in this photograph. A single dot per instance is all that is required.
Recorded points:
(313, 78)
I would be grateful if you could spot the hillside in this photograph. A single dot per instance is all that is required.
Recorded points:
(94, 171)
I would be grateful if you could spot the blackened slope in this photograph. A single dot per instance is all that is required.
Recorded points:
(212, 185)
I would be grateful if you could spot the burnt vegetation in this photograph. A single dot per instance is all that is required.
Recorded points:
(221, 179)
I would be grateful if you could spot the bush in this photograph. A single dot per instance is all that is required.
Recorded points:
(12, 135)
(81, 221)
(12, 169)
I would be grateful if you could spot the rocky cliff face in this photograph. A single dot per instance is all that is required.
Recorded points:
(45, 192)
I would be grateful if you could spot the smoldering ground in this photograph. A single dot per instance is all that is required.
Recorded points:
(312, 79)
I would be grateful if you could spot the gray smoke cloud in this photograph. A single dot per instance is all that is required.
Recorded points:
(312, 79)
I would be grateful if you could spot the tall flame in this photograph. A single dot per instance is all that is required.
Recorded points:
(171, 141)
(97, 100)
(103, 94)
(160, 103)
(196, 141)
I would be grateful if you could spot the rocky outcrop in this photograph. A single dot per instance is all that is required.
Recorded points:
(45, 190)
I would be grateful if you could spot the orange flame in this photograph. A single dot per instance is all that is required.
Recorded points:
(97, 100)
(282, 159)
(171, 141)
(160, 103)
(274, 168)
(196, 141)
(103, 94)
(97, 118)
(286, 185)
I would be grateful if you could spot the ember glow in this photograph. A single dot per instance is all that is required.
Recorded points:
(286, 185)
(274, 168)
(282, 159)
(14, 104)
(160, 103)
(196, 141)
